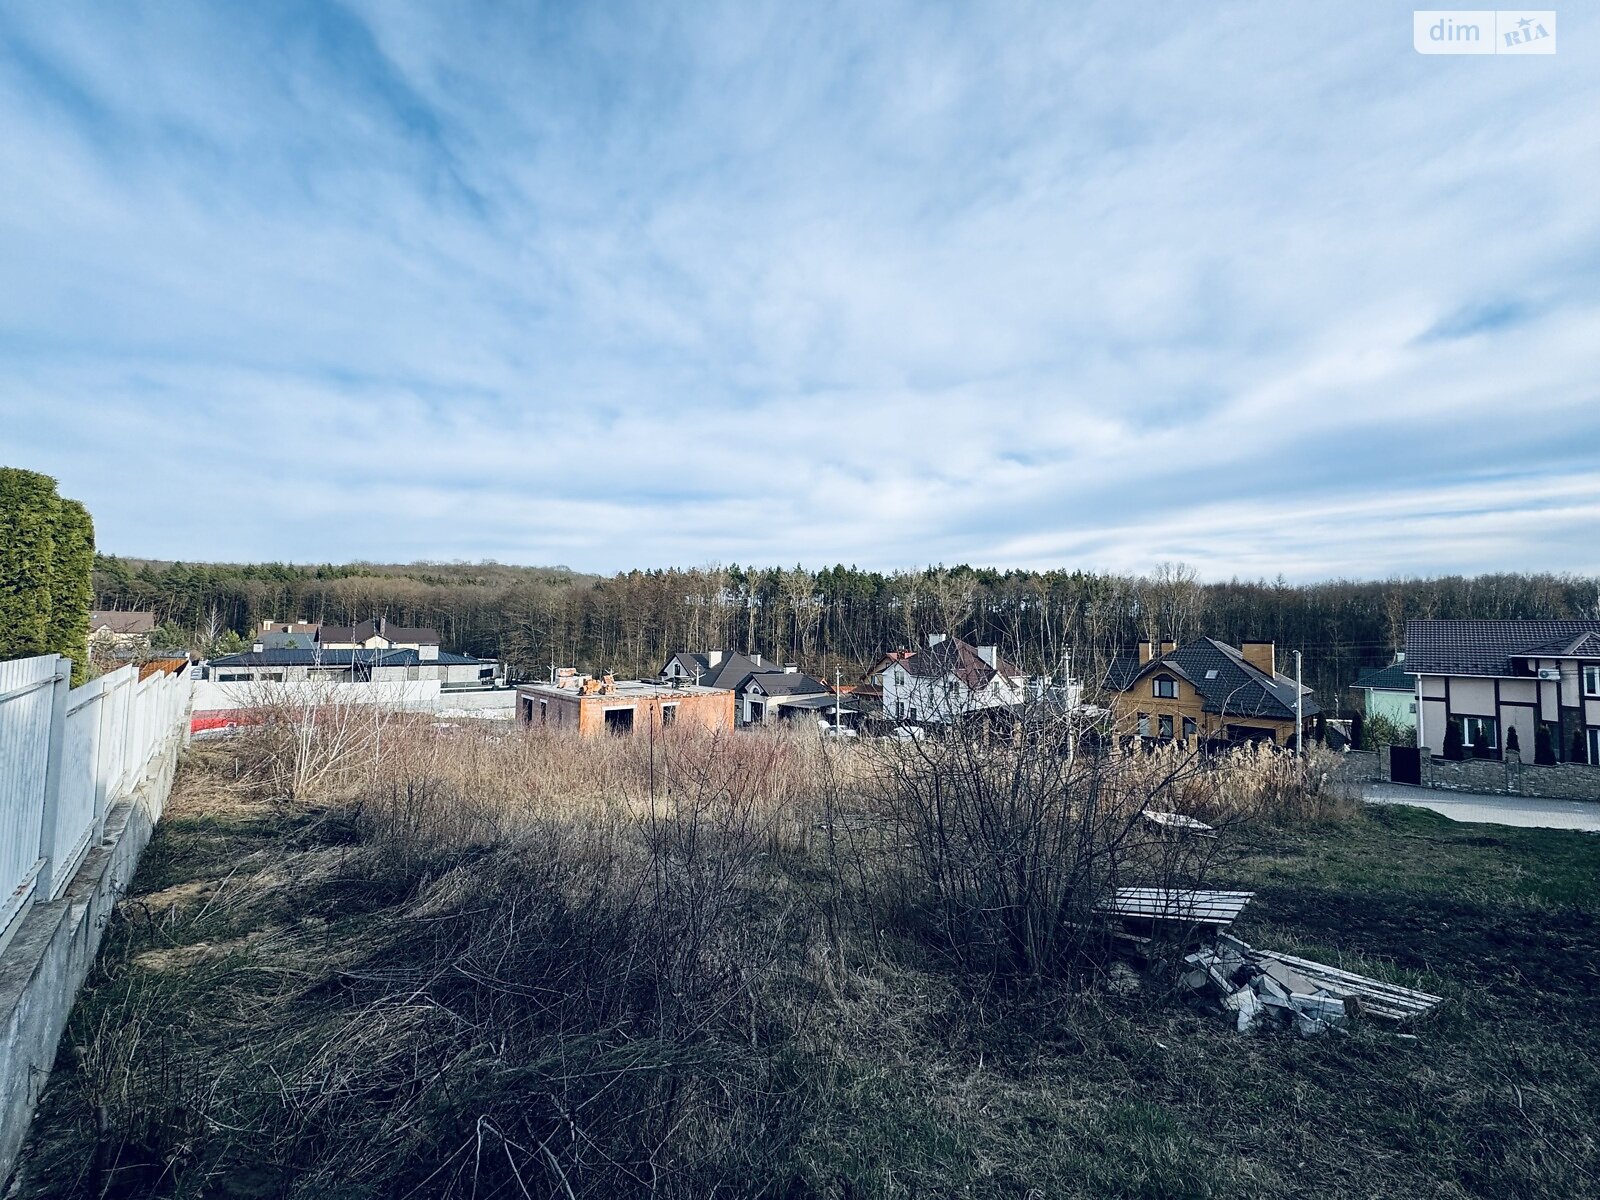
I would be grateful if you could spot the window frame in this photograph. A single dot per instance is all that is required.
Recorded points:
(1591, 681)
(1156, 684)
(1164, 726)
(1491, 724)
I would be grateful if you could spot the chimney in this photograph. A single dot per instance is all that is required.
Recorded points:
(1144, 653)
(935, 638)
(428, 653)
(713, 658)
(791, 668)
(1167, 647)
(257, 648)
(1263, 656)
(989, 654)
(756, 658)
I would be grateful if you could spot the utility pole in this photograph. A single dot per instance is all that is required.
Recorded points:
(836, 700)
(1299, 711)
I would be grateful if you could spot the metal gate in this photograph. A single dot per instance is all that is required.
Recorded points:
(1405, 765)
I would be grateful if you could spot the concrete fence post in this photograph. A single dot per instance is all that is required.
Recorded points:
(51, 810)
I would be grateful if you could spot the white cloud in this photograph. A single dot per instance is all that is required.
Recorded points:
(1019, 286)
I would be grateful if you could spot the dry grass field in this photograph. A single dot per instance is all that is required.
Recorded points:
(458, 962)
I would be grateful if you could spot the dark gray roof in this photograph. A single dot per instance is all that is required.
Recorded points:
(339, 658)
(1393, 678)
(955, 657)
(1229, 685)
(418, 634)
(787, 683)
(733, 671)
(278, 640)
(1487, 647)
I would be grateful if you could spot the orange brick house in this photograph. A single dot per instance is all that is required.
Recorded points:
(622, 707)
(1203, 691)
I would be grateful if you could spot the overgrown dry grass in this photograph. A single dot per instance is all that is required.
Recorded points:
(484, 962)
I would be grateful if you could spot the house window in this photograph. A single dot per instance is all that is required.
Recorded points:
(669, 714)
(1591, 681)
(1479, 734)
(1189, 728)
(1144, 724)
(1164, 725)
(619, 721)
(1594, 747)
(1166, 687)
(544, 711)
(899, 710)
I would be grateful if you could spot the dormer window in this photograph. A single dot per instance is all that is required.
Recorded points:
(1165, 687)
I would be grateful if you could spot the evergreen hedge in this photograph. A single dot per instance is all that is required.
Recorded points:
(72, 590)
(46, 565)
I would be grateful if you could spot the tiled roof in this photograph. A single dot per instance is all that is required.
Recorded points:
(1486, 647)
(788, 683)
(733, 671)
(417, 634)
(119, 621)
(955, 657)
(339, 658)
(1393, 678)
(1229, 685)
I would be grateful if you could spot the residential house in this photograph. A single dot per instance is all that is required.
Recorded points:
(115, 633)
(1487, 678)
(1388, 694)
(782, 695)
(624, 707)
(1204, 692)
(732, 670)
(377, 634)
(279, 665)
(950, 679)
(870, 690)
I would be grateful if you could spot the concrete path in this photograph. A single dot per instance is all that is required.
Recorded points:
(1479, 809)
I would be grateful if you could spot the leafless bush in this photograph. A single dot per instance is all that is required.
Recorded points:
(1011, 840)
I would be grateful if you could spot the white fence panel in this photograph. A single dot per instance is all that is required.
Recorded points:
(77, 801)
(65, 759)
(27, 687)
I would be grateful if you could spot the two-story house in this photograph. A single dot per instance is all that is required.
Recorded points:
(949, 679)
(1487, 678)
(1204, 691)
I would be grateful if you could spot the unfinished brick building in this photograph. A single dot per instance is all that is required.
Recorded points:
(621, 707)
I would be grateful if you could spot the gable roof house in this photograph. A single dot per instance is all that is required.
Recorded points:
(950, 679)
(1540, 678)
(781, 695)
(378, 634)
(119, 627)
(1204, 691)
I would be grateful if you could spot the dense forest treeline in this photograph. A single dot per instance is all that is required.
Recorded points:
(837, 617)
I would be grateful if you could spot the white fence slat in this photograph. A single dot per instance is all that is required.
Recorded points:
(109, 734)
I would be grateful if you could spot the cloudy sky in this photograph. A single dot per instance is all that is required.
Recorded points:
(1251, 286)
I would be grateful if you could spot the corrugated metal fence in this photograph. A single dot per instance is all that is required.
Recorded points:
(67, 756)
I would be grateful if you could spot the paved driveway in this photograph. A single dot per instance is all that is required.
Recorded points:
(1479, 809)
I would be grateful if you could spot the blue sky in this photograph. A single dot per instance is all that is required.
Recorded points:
(1251, 286)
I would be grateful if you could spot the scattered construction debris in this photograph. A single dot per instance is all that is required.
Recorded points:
(1215, 909)
(1178, 823)
(1311, 996)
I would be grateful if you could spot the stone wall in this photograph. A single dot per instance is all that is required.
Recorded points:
(45, 964)
(1563, 781)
